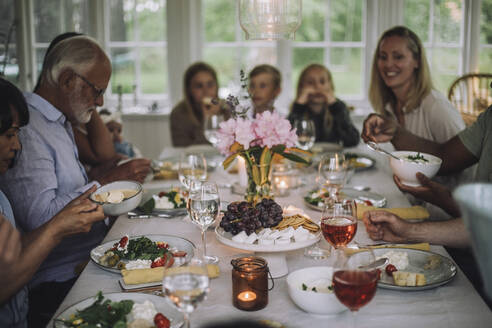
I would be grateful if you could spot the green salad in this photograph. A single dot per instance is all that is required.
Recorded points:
(101, 314)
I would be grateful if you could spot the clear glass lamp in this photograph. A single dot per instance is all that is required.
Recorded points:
(270, 19)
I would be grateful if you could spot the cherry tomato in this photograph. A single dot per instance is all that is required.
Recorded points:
(390, 268)
(158, 262)
(170, 262)
(179, 254)
(123, 241)
(162, 194)
(161, 321)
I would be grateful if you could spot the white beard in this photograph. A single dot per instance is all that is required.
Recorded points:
(81, 112)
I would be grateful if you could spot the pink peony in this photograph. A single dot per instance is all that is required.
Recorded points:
(226, 136)
(271, 129)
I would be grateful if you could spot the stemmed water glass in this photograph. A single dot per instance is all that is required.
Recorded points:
(204, 208)
(212, 125)
(186, 286)
(192, 166)
(332, 171)
(306, 133)
(355, 282)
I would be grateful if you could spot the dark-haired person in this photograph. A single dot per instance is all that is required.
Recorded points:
(471, 146)
(316, 101)
(21, 255)
(189, 115)
(401, 89)
(48, 173)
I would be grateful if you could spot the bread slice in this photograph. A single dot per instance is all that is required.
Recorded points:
(402, 278)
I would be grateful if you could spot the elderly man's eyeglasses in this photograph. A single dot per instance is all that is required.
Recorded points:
(98, 91)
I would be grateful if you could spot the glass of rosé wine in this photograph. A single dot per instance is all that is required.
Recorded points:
(354, 282)
(339, 222)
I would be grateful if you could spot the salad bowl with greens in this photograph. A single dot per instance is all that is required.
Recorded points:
(412, 162)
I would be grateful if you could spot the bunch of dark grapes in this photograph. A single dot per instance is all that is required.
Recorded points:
(243, 216)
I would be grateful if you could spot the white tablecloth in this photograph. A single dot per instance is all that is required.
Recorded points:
(455, 304)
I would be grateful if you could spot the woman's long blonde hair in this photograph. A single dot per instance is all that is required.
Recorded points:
(380, 94)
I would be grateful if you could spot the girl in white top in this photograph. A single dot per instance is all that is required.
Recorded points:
(401, 87)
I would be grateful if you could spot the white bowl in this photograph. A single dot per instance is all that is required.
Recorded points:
(406, 170)
(308, 300)
(128, 204)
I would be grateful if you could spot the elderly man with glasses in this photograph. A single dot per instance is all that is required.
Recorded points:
(48, 173)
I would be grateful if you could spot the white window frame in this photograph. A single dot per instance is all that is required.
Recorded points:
(184, 41)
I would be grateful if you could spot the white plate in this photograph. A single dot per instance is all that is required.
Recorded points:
(173, 241)
(226, 238)
(358, 195)
(148, 193)
(160, 304)
(364, 162)
(440, 275)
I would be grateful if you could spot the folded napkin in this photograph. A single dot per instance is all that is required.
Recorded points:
(419, 246)
(407, 213)
(143, 276)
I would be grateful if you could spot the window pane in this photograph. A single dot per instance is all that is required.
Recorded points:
(485, 54)
(302, 57)
(416, 16)
(121, 14)
(313, 21)
(151, 20)
(219, 20)
(52, 17)
(250, 57)
(225, 62)
(485, 60)
(346, 67)
(444, 67)
(346, 20)
(153, 70)
(9, 68)
(123, 74)
(447, 20)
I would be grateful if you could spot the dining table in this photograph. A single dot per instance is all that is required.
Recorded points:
(455, 304)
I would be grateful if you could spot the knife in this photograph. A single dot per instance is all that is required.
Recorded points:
(133, 215)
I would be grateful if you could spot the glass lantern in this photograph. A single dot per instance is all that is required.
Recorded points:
(270, 19)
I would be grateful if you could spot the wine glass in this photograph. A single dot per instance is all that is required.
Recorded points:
(211, 126)
(204, 208)
(186, 286)
(306, 133)
(339, 222)
(355, 282)
(332, 173)
(192, 166)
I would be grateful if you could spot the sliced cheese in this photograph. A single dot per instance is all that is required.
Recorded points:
(402, 278)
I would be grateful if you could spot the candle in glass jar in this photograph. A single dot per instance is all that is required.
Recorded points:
(247, 296)
(281, 185)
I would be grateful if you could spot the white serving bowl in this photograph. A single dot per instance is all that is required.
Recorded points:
(406, 170)
(310, 301)
(128, 204)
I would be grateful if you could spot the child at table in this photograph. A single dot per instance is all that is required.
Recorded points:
(264, 87)
(114, 124)
(316, 101)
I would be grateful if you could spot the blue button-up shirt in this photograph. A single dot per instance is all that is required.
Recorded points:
(47, 176)
(14, 312)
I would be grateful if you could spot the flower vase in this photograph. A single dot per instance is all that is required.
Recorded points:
(259, 182)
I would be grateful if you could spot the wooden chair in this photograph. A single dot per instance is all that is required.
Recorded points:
(471, 94)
